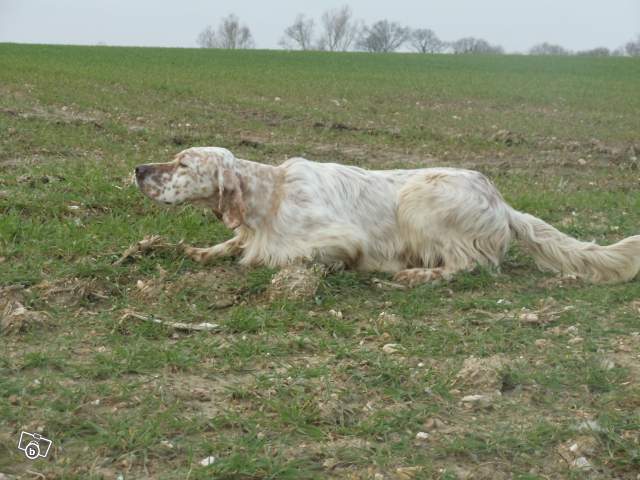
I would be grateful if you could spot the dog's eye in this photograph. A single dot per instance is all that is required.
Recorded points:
(183, 165)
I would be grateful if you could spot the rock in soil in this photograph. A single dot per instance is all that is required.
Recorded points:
(296, 282)
(482, 374)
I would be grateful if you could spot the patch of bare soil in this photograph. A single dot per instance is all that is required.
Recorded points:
(626, 354)
(64, 114)
(151, 288)
(207, 396)
(488, 471)
(14, 316)
(42, 179)
(339, 408)
(220, 286)
(593, 149)
(508, 138)
(70, 292)
(576, 453)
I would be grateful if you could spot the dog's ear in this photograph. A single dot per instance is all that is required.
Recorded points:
(230, 201)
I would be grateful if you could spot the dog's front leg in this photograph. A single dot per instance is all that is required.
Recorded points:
(203, 255)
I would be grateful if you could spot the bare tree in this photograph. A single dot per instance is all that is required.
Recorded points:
(632, 48)
(207, 38)
(299, 34)
(618, 52)
(230, 34)
(233, 35)
(339, 30)
(475, 46)
(424, 40)
(383, 36)
(548, 49)
(595, 52)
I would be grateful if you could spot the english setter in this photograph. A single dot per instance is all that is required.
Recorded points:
(420, 225)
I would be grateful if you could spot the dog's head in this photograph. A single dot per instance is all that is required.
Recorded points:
(203, 175)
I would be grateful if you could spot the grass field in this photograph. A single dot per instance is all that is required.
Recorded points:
(306, 389)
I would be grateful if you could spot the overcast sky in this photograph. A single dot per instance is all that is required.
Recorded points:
(514, 24)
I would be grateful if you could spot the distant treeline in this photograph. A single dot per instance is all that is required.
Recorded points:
(338, 30)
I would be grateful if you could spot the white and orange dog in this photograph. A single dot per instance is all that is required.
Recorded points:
(421, 225)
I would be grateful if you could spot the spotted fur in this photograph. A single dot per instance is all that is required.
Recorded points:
(422, 225)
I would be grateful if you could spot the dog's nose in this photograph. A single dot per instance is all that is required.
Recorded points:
(141, 171)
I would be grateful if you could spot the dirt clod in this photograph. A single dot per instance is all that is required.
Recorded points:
(150, 289)
(70, 291)
(576, 452)
(482, 374)
(507, 137)
(16, 318)
(296, 282)
(391, 348)
(407, 473)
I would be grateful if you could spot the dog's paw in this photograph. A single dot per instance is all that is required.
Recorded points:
(200, 255)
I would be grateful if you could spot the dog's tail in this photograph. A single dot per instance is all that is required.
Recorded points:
(555, 251)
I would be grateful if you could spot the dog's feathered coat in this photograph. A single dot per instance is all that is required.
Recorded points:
(421, 225)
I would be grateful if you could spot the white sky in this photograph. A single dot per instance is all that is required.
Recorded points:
(514, 24)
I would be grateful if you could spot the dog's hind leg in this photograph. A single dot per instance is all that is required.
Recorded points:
(225, 249)
(450, 221)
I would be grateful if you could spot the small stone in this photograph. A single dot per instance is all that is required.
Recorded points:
(581, 463)
(407, 473)
(422, 435)
(529, 317)
(607, 364)
(481, 400)
(582, 161)
(205, 462)
(588, 426)
(391, 348)
(556, 331)
(434, 424)
(575, 340)
(541, 343)
(388, 318)
(336, 313)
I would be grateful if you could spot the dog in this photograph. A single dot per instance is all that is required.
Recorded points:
(420, 225)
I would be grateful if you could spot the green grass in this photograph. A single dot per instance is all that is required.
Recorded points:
(287, 389)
